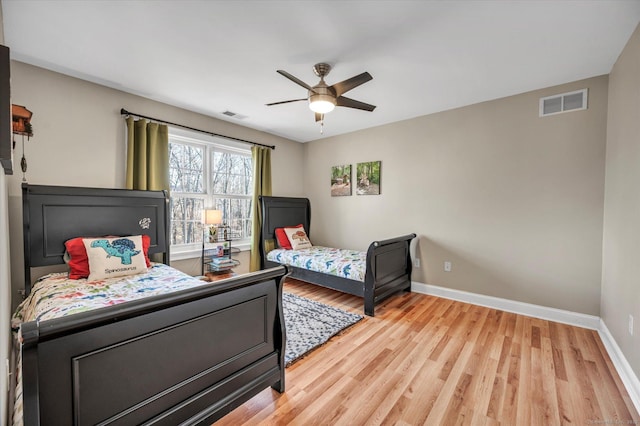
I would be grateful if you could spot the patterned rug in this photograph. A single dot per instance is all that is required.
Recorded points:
(310, 324)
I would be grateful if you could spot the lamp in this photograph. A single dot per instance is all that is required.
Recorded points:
(322, 103)
(212, 217)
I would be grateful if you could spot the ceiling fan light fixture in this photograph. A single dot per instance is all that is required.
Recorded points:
(322, 103)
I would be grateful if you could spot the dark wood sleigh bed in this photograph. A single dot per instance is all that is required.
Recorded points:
(388, 263)
(188, 357)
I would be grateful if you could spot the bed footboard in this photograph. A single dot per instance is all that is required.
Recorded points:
(187, 357)
(389, 269)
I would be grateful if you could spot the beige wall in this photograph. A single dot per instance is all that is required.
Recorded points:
(79, 140)
(514, 201)
(621, 241)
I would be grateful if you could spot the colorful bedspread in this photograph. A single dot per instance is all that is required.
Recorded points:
(349, 264)
(55, 295)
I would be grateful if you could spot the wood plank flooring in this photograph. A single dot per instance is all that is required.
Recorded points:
(433, 361)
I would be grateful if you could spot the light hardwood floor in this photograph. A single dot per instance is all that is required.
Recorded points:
(433, 361)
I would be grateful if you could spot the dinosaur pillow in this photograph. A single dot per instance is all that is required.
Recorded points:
(298, 238)
(114, 257)
(76, 256)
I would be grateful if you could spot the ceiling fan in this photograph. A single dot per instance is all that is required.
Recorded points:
(324, 98)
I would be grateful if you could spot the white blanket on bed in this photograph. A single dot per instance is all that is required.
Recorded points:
(349, 264)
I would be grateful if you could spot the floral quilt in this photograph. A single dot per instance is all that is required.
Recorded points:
(55, 295)
(349, 264)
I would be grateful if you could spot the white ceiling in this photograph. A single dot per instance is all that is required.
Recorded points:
(424, 56)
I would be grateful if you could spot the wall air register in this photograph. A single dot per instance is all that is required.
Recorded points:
(565, 102)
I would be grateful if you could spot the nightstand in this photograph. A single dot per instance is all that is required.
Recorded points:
(217, 254)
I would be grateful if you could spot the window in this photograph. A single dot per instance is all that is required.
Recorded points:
(208, 173)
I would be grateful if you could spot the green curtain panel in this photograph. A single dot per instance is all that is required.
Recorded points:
(147, 155)
(261, 158)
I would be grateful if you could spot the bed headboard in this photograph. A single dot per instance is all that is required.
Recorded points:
(278, 212)
(54, 214)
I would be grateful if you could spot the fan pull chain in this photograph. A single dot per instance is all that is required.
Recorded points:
(322, 125)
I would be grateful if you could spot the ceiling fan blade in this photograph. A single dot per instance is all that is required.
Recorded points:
(351, 83)
(296, 80)
(319, 117)
(286, 102)
(352, 103)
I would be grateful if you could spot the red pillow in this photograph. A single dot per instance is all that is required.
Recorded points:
(79, 262)
(283, 240)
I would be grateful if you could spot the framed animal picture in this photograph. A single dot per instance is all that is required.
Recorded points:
(368, 178)
(341, 180)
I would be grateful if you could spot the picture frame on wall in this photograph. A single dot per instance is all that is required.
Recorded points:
(341, 180)
(368, 178)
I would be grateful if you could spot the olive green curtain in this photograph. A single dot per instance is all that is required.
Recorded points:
(147, 155)
(261, 158)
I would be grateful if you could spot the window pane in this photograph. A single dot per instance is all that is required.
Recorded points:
(231, 174)
(186, 168)
(186, 220)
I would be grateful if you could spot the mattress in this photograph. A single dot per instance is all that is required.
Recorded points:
(55, 295)
(350, 264)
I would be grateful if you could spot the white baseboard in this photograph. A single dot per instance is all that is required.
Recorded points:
(552, 314)
(628, 377)
(626, 373)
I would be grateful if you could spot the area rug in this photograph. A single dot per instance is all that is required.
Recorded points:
(310, 324)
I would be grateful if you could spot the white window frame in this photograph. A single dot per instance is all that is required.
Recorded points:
(210, 145)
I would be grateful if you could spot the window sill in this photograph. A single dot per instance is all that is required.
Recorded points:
(196, 253)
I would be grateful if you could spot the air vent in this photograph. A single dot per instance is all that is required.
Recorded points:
(565, 102)
(234, 115)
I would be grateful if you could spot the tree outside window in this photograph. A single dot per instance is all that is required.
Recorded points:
(212, 176)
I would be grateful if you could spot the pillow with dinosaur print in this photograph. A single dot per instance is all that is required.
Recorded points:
(298, 238)
(76, 256)
(114, 257)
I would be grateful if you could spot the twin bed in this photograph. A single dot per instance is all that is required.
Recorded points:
(176, 350)
(382, 271)
(185, 357)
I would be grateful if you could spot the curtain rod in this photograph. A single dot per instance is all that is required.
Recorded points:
(125, 112)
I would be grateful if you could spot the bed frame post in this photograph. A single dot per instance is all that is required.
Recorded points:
(30, 380)
(166, 258)
(369, 300)
(281, 336)
(26, 220)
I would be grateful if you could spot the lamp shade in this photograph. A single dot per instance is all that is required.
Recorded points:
(321, 103)
(212, 217)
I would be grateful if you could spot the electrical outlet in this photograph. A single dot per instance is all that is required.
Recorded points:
(447, 266)
(416, 263)
(631, 325)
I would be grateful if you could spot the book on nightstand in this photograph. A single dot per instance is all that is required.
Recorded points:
(222, 262)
